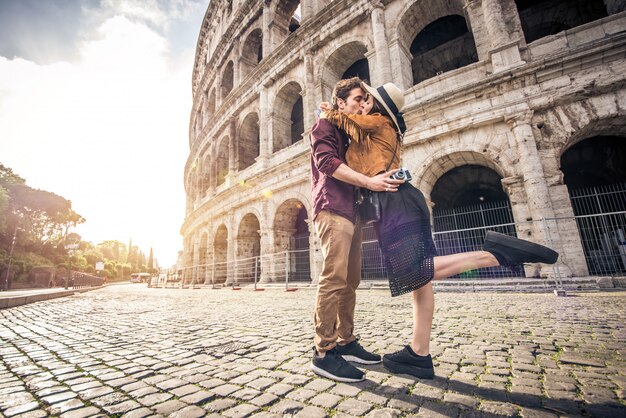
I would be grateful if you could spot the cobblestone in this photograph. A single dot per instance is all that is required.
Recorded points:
(495, 355)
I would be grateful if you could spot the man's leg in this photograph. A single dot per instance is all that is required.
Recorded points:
(335, 233)
(347, 298)
(349, 348)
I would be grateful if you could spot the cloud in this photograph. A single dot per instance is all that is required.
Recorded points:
(108, 130)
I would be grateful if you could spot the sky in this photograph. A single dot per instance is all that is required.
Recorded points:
(95, 98)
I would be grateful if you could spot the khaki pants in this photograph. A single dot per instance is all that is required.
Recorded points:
(339, 279)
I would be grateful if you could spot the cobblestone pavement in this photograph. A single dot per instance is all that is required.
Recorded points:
(134, 351)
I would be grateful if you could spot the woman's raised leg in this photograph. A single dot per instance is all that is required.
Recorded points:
(449, 265)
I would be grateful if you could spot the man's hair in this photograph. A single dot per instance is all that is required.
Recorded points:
(343, 88)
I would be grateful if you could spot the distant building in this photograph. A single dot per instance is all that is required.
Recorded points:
(516, 113)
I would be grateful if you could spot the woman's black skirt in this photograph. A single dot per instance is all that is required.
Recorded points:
(405, 239)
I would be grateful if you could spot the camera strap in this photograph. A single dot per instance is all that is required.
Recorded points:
(393, 156)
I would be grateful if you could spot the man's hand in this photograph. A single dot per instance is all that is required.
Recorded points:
(383, 182)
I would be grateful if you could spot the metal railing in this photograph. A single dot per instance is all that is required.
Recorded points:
(602, 237)
(80, 280)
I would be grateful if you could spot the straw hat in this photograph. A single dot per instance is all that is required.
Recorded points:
(392, 99)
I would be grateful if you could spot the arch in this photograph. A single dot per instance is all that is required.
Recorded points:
(288, 116)
(467, 201)
(251, 53)
(541, 18)
(443, 45)
(221, 159)
(248, 248)
(594, 172)
(340, 61)
(595, 161)
(438, 164)
(287, 16)
(249, 141)
(291, 233)
(228, 76)
(220, 255)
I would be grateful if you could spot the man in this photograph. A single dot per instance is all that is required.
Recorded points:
(337, 226)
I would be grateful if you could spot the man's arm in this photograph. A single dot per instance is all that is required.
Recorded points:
(379, 183)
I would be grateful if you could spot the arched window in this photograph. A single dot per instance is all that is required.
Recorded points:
(252, 52)
(444, 45)
(541, 18)
(248, 147)
(227, 79)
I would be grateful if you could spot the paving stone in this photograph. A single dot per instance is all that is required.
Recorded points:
(139, 413)
(287, 407)
(154, 398)
(169, 407)
(58, 397)
(122, 407)
(311, 412)
(240, 411)
(82, 412)
(226, 390)
(20, 409)
(198, 398)
(219, 405)
(280, 389)
(301, 395)
(62, 407)
(109, 399)
(384, 413)
(95, 392)
(355, 407)
(437, 410)
(264, 400)
(345, 390)
(189, 412)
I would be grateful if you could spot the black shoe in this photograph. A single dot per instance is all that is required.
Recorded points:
(407, 362)
(355, 352)
(511, 251)
(334, 367)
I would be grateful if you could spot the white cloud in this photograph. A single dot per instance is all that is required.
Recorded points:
(108, 132)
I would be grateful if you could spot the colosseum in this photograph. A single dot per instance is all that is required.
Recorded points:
(516, 114)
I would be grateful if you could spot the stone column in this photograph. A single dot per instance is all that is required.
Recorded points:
(473, 11)
(210, 261)
(309, 100)
(233, 149)
(231, 252)
(537, 194)
(400, 58)
(504, 51)
(195, 261)
(265, 135)
(218, 88)
(236, 69)
(267, 19)
(383, 60)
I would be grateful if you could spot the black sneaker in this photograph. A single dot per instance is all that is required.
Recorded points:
(355, 352)
(334, 367)
(510, 251)
(407, 362)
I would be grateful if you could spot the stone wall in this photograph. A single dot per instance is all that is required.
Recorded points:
(515, 111)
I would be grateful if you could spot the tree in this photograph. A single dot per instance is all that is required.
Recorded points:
(150, 264)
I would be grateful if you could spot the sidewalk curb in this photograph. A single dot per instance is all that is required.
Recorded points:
(11, 302)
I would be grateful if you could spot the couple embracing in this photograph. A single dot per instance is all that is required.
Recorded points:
(356, 144)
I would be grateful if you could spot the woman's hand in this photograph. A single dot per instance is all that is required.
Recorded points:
(325, 106)
(384, 183)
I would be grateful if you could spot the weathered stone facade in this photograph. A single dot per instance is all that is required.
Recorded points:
(503, 86)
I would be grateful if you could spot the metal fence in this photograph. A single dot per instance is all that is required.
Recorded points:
(599, 214)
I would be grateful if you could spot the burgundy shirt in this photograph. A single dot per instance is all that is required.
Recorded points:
(328, 151)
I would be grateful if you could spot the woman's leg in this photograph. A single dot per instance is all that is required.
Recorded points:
(424, 298)
(449, 265)
(423, 310)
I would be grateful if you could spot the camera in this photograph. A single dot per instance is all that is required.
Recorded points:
(403, 174)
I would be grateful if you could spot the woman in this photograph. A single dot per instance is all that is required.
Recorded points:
(404, 227)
